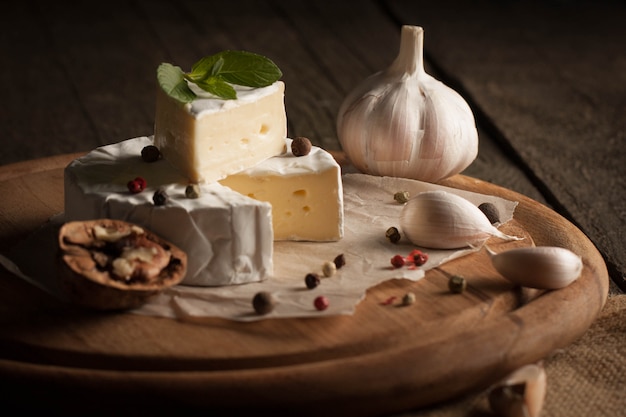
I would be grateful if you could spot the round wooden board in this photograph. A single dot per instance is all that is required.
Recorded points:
(383, 359)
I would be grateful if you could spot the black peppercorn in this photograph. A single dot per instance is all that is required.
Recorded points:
(491, 212)
(311, 280)
(263, 302)
(301, 146)
(393, 235)
(339, 261)
(160, 197)
(150, 153)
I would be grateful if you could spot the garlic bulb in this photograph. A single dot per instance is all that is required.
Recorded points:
(443, 220)
(402, 122)
(521, 394)
(543, 267)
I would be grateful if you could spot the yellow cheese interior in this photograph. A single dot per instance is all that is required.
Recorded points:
(304, 207)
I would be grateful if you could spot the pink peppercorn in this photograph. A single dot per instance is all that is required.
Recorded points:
(417, 257)
(321, 303)
(414, 252)
(389, 301)
(134, 187)
(137, 185)
(420, 259)
(397, 261)
(142, 182)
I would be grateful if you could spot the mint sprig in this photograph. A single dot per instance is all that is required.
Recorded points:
(217, 73)
(172, 81)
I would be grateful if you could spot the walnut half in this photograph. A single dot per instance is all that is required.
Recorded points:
(115, 265)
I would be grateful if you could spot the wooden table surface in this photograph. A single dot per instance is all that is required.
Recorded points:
(546, 81)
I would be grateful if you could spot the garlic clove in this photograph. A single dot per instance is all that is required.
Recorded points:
(521, 394)
(402, 122)
(443, 220)
(543, 267)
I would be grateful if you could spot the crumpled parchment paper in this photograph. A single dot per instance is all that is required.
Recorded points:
(369, 210)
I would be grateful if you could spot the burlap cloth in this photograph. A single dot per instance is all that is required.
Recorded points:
(588, 378)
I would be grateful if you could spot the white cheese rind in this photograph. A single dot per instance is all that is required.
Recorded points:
(228, 237)
(209, 138)
(305, 192)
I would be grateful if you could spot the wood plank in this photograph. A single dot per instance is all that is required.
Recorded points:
(102, 64)
(550, 81)
(109, 56)
(106, 61)
(40, 113)
(343, 39)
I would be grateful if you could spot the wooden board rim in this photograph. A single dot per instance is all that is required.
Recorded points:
(410, 388)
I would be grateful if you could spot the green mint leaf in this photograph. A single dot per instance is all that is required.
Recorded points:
(204, 67)
(217, 67)
(218, 87)
(216, 73)
(248, 69)
(172, 81)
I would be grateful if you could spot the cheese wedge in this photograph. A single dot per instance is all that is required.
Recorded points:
(228, 237)
(305, 192)
(209, 138)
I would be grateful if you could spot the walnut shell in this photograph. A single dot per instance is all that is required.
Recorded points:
(86, 256)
